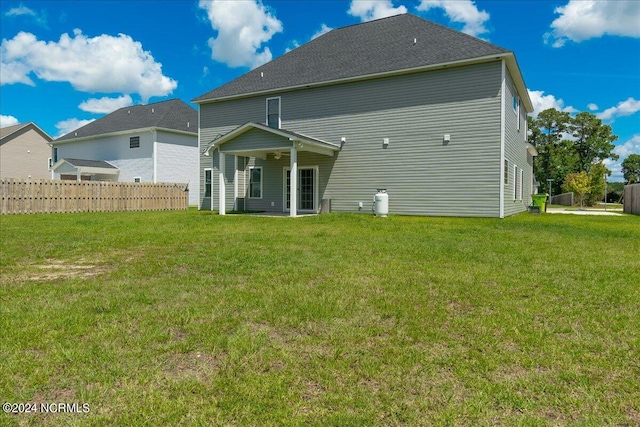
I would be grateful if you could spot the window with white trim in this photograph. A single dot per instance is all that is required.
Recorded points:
(255, 182)
(273, 112)
(506, 172)
(134, 142)
(137, 179)
(521, 183)
(207, 182)
(515, 182)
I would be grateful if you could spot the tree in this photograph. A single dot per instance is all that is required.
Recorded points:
(578, 183)
(631, 168)
(546, 134)
(593, 141)
(568, 145)
(596, 183)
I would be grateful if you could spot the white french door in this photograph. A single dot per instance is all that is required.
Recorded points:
(307, 189)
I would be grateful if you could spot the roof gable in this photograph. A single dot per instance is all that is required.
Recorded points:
(307, 143)
(401, 42)
(173, 115)
(9, 132)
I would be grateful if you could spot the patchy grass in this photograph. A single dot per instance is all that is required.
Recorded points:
(188, 318)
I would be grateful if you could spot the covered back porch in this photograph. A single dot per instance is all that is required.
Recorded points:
(267, 162)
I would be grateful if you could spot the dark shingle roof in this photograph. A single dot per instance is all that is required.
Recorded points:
(173, 114)
(374, 47)
(90, 163)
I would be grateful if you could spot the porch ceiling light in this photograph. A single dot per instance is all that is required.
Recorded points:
(277, 155)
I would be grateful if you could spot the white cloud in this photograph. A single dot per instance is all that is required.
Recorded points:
(242, 27)
(39, 18)
(14, 72)
(624, 108)
(632, 146)
(324, 29)
(105, 104)
(368, 10)
(99, 64)
(461, 11)
(20, 11)
(8, 121)
(69, 125)
(592, 107)
(542, 102)
(581, 20)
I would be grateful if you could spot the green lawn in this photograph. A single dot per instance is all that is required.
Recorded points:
(189, 318)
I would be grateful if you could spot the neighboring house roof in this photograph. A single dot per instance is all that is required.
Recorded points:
(171, 115)
(87, 166)
(89, 163)
(9, 132)
(401, 43)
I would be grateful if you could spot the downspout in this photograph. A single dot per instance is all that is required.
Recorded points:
(155, 155)
(502, 137)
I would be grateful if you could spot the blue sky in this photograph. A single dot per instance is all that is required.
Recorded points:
(64, 63)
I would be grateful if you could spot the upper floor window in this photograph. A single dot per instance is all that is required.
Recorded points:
(273, 112)
(134, 142)
(55, 155)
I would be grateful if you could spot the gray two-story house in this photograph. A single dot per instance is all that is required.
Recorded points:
(435, 117)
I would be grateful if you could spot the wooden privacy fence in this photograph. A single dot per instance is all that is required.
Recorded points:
(565, 199)
(48, 196)
(632, 199)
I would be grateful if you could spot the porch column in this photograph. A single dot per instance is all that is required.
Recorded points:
(235, 183)
(293, 181)
(79, 174)
(221, 186)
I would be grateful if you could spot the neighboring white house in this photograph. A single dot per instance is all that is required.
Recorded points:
(144, 143)
(24, 152)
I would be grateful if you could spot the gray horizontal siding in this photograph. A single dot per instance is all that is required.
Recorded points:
(256, 139)
(423, 175)
(516, 153)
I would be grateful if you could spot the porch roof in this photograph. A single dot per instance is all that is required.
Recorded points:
(302, 142)
(87, 166)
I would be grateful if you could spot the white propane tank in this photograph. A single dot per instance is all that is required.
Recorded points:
(381, 203)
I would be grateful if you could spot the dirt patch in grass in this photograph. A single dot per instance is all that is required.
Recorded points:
(57, 269)
(195, 364)
(52, 270)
